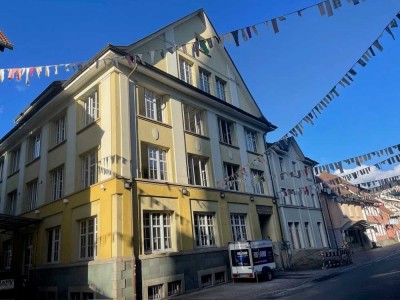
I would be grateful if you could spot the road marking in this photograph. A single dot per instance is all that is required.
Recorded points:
(385, 274)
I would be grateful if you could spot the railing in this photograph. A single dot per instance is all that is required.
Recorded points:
(335, 258)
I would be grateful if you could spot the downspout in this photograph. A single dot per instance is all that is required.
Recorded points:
(275, 198)
(134, 153)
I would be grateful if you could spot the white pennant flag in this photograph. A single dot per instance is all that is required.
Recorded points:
(47, 71)
(56, 70)
(1, 75)
(27, 82)
(38, 71)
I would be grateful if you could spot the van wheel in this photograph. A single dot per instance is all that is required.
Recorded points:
(269, 275)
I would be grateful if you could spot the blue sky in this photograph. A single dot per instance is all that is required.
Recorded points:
(288, 73)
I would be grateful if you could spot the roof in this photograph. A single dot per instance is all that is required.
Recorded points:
(4, 42)
(285, 144)
(9, 222)
(386, 210)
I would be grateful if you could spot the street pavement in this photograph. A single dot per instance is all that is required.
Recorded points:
(288, 282)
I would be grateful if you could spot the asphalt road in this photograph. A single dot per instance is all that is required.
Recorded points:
(377, 280)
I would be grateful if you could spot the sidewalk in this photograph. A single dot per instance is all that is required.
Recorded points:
(287, 280)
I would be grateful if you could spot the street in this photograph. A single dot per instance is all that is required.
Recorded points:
(377, 280)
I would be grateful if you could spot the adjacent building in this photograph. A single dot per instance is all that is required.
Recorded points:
(130, 178)
(300, 213)
(4, 42)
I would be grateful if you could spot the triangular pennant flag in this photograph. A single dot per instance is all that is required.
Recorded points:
(254, 29)
(378, 45)
(55, 70)
(390, 32)
(352, 72)
(275, 25)
(1, 75)
(361, 62)
(393, 23)
(235, 35)
(321, 9)
(47, 71)
(27, 82)
(248, 32)
(38, 71)
(244, 35)
(329, 10)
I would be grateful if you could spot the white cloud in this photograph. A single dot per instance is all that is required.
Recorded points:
(374, 174)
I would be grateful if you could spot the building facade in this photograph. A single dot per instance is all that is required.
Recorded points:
(133, 175)
(295, 187)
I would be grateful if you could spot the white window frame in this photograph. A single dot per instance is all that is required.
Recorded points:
(185, 68)
(32, 188)
(225, 131)
(193, 119)
(57, 183)
(220, 86)
(89, 169)
(59, 130)
(251, 140)
(35, 146)
(204, 78)
(88, 235)
(231, 176)
(157, 291)
(257, 181)
(53, 244)
(91, 109)
(204, 229)
(157, 231)
(238, 227)
(197, 170)
(157, 163)
(154, 106)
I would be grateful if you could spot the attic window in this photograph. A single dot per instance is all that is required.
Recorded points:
(202, 48)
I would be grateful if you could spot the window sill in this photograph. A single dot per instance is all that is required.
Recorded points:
(56, 146)
(197, 135)
(252, 152)
(229, 145)
(13, 173)
(154, 121)
(96, 122)
(32, 161)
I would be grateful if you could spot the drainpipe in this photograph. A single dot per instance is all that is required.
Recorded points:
(134, 153)
(275, 199)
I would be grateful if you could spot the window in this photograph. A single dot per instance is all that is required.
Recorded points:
(14, 161)
(1, 168)
(7, 254)
(257, 181)
(281, 166)
(220, 86)
(286, 197)
(154, 106)
(322, 234)
(238, 225)
(157, 231)
(231, 175)
(301, 198)
(155, 291)
(91, 109)
(174, 287)
(28, 251)
(204, 77)
(219, 277)
(314, 200)
(204, 229)
(89, 169)
(186, 70)
(88, 238)
(53, 244)
(59, 130)
(225, 131)
(57, 183)
(297, 230)
(12, 203)
(193, 119)
(154, 163)
(32, 194)
(206, 280)
(197, 170)
(308, 234)
(251, 140)
(34, 146)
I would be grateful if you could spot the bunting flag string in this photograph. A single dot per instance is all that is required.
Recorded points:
(344, 81)
(358, 160)
(199, 46)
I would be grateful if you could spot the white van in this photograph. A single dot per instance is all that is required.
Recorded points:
(250, 259)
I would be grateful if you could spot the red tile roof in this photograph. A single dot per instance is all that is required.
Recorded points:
(4, 42)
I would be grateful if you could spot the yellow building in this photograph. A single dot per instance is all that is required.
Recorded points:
(133, 175)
